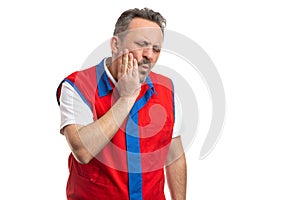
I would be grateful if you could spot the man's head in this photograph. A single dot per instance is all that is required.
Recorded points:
(141, 32)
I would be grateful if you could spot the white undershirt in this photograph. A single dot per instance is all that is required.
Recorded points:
(75, 111)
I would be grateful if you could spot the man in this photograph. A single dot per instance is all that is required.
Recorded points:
(118, 119)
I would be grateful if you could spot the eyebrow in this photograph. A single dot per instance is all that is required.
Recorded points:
(156, 46)
(148, 43)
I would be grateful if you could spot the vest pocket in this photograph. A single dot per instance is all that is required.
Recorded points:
(89, 184)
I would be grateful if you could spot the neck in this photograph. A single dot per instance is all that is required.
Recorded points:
(112, 67)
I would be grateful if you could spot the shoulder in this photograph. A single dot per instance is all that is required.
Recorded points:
(82, 74)
(85, 78)
(161, 80)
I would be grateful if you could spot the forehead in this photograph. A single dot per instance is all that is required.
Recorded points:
(137, 23)
(142, 28)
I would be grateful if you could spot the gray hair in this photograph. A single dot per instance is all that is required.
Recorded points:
(145, 13)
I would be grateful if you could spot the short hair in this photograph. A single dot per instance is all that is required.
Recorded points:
(145, 13)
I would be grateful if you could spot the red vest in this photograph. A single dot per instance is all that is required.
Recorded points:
(131, 165)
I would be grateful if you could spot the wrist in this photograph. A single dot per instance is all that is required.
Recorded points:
(127, 101)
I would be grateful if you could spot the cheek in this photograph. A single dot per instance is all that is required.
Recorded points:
(155, 57)
(137, 54)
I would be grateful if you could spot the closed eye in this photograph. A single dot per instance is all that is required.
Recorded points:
(142, 44)
(156, 49)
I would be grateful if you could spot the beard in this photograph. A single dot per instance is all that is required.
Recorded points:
(144, 68)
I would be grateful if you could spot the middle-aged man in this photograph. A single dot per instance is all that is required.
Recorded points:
(118, 119)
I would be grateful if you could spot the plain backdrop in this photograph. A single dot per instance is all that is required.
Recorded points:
(255, 46)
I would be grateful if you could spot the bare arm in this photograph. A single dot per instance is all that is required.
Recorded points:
(176, 170)
(87, 141)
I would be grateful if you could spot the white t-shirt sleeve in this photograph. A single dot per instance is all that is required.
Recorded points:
(72, 108)
(75, 111)
(178, 117)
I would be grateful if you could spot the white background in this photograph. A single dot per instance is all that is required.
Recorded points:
(255, 46)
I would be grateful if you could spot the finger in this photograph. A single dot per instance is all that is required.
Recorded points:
(125, 61)
(135, 67)
(130, 64)
(130, 61)
(120, 65)
(135, 64)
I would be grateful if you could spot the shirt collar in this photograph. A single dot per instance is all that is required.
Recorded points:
(150, 84)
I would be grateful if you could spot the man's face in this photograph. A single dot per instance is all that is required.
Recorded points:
(143, 39)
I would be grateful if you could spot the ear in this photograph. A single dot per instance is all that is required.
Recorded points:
(115, 45)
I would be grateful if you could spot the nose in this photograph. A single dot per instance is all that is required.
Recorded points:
(148, 53)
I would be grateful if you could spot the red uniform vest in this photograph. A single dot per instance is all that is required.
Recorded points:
(131, 165)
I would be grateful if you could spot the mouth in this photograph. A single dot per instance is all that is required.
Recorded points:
(144, 69)
(144, 66)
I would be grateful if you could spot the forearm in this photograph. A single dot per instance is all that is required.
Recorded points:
(176, 173)
(89, 140)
